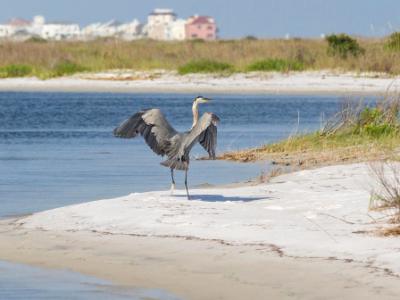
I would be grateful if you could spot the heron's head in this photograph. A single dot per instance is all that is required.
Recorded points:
(201, 99)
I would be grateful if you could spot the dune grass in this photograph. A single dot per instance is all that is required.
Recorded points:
(205, 66)
(276, 64)
(357, 133)
(44, 58)
(15, 71)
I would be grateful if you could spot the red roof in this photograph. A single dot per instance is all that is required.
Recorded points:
(201, 20)
(18, 22)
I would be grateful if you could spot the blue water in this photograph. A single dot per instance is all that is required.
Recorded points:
(24, 282)
(57, 149)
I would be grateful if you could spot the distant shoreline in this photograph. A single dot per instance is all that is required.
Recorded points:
(309, 82)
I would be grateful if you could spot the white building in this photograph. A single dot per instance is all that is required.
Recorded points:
(159, 23)
(14, 27)
(6, 31)
(177, 30)
(99, 30)
(127, 31)
(53, 31)
(60, 31)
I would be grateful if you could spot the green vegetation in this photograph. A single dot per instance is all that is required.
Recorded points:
(356, 133)
(280, 65)
(205, 66)
(48, 59)
(67, 68)
(393, 42)
(15, 71)
(343, 45)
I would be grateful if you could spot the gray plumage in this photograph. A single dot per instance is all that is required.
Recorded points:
(164, 140)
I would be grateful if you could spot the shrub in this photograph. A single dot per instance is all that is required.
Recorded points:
(374, 122)
(343, 45)
(67, 68)
(250, 38)
(359, 119)
(15, 71)
(280, 65)
(393, 43)
(36, 39)
(205, 66)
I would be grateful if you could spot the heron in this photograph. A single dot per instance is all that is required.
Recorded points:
(164, 140)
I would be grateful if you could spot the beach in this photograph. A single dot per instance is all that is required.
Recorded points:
(161, 81)
(307, 234)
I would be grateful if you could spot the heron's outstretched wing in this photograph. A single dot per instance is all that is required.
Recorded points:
(208, 139)
(205, 132)
(205, 129)
(152, 125)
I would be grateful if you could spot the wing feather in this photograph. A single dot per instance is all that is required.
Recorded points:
(208, 139)
(152, 125)
(204, 132)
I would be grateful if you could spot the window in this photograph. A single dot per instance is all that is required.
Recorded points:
(209, 27)
(194, 35)
(198, 26)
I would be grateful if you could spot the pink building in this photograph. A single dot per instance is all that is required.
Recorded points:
(201, 27)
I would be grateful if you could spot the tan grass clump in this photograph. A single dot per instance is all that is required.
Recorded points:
(386, 196)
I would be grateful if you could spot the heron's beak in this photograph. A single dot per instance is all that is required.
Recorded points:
(205, 100)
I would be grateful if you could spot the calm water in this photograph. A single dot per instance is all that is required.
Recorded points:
(57, 149)
(24, 282)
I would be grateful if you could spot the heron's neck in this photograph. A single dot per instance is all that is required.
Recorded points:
(195, 111)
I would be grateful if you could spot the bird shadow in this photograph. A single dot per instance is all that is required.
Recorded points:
(220, 198)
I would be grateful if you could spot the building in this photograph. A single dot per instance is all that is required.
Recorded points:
(127, 31)
(159, 23)
(177, 30)
(100, 30)
(14, 27)
(60, 31)
(56, 31)
(6, 31)
(201, 27)
(162, 24)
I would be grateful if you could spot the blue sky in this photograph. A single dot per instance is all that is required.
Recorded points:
(262, 18)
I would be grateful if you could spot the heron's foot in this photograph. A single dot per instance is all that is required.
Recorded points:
(172, 189)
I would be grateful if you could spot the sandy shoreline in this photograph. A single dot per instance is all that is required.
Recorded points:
(310, 82)
(192, 269)
(306, 235)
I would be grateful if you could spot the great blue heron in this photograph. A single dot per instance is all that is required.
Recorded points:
(163, 139)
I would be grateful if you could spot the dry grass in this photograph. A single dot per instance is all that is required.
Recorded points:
(109, 54)
(312, 151)
(391, 231)
(386, 196)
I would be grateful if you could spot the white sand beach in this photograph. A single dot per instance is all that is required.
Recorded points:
(309, 82)
(305, 235)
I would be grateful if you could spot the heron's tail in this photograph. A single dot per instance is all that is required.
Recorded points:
(175, 164)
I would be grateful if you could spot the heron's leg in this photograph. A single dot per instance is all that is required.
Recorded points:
(173, 182)
(187, 190)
